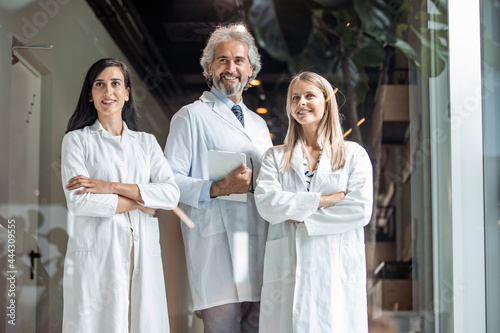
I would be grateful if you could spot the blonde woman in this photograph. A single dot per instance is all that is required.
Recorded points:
(316, 193)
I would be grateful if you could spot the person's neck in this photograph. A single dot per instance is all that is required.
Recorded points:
(236, 98)
(310, 137)
(113, 125)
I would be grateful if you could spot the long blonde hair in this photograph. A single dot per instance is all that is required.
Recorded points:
(330, 137)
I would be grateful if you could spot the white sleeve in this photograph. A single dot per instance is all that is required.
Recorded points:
(179, 151)
(73, 164)
(276, 205)
(355, 210)
(162, 192)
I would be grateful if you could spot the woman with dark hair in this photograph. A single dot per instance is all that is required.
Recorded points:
(114, 179)
(316, 193)
(86, 113)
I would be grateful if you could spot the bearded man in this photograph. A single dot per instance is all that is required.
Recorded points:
(225, 251)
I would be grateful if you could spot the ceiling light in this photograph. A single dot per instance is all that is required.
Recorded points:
(261, 110)
(241, 28)
(254, 83)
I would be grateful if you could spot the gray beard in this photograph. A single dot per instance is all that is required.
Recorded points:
(228, 91)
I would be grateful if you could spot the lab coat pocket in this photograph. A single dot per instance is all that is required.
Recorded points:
(83, 237)
(277, 260)
(352, 262)
(152, 236)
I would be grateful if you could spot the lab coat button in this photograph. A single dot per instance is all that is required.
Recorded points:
(295, 314)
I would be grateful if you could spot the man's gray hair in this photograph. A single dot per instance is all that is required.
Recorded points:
(228, 33)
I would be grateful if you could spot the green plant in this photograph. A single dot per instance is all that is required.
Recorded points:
(339, 39)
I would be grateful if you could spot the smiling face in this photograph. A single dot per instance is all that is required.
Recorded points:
(109, 93)
(307, 104)
(230, 68)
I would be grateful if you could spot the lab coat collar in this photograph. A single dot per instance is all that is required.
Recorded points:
(224, 112)
(323, 168)
(229, 103)
(126, 134)
(297, 162)
(325, 164)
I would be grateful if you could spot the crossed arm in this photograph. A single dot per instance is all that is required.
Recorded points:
(88, 196)
(129, 195)
(327, 201)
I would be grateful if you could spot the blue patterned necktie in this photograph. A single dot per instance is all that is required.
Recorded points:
(238, 113)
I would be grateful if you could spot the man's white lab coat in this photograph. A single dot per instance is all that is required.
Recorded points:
(225, 251)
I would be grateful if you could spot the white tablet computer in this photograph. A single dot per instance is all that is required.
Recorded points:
(220, 163)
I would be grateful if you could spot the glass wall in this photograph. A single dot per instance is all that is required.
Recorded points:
(468, 294)
(413, 267)
(491, 152)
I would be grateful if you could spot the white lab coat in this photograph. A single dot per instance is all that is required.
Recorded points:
(97, 265)
(225, 251)
(315, 271)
